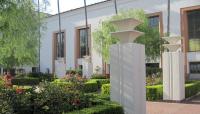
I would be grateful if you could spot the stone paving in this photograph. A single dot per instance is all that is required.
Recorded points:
(189, 107)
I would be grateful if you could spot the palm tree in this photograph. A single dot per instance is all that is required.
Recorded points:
(116, 11)
(168, 18)
(59, 20)
(86, 25)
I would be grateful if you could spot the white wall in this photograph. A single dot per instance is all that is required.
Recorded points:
(98, 12)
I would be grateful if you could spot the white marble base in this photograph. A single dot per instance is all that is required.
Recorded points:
(60, 68)
(173, 76)
(127, 66)
(87, 68)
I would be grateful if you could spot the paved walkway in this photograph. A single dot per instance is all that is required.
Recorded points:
(189, 107)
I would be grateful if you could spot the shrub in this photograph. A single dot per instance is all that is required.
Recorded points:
(111, 108)
(100, 82)
(153, 81)
(25, 81)
(105, 89)
(90, 86)
(74, 71)
(192, 88)
(42, 76)
(153, 71)
(98, 76)
(15, 101)
(56, 99)
(154, 92)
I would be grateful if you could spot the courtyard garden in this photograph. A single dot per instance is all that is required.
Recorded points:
(38, 93)
(29, 94)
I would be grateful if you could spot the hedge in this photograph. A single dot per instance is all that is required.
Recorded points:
(98, 76)
(25, 81)
(100, 82)
(192, 88)
(154, 92)
(105, 89)
(90, 86)
(108, 108)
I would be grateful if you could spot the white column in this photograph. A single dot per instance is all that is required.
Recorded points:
(127, 66)
(173, 76)
(128, 77)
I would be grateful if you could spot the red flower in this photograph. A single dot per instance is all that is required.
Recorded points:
(76, 102)
(19, 91)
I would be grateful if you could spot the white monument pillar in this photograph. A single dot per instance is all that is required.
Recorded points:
(173, 71)
(127, 66)
(87, 66)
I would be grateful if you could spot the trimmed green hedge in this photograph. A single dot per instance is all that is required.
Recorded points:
(25, 81)
(192, 88)
(105, 89)
(154, 92)
(90, 86)
(108, 108)
(98, 76)
(100, 82)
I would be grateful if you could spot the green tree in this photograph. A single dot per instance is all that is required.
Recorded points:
(151, 38)
(19, 36)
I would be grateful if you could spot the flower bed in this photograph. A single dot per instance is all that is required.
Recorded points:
(51, 98)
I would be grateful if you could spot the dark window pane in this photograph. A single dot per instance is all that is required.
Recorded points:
(60, 45)
(154, 21)
(83, 42)
(195, 67)
(194, 30)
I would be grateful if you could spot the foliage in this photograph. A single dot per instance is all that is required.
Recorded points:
(154, 92)
(98, 76)
(100, 82)
(25, 81)
(90, 86)
(57, 99)
(101, 104)
(192, 88)
(105, 89)
(19, 38)
(153, 80)
(74, 72)
(153, 71)
(47, 98)
(42, 76)
(111, 108)
(151, 38)
(15, 101)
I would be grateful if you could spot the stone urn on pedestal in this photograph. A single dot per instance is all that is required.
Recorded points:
(127, 68)
(173, 70)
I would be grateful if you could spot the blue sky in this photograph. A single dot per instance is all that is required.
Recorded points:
(68, 4)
